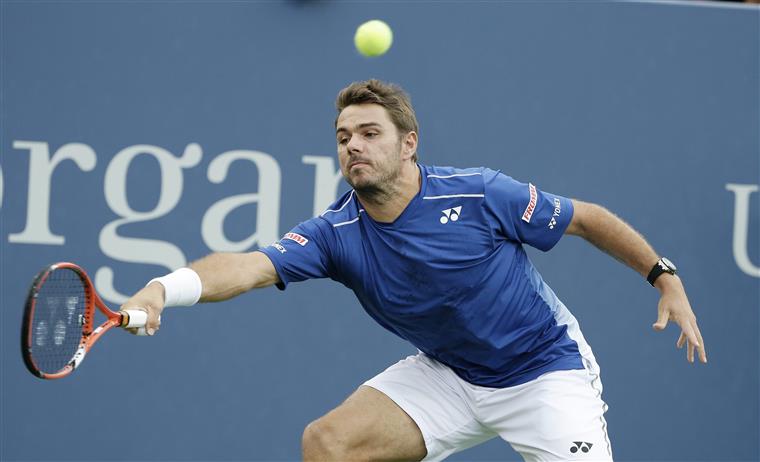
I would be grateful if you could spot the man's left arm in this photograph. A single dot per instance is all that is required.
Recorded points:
(612, 235)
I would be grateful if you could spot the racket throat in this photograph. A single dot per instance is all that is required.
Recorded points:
(79, 356)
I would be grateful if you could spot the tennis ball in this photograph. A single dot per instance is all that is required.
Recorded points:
(373, 38)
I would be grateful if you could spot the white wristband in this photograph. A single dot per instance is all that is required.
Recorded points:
(181, 288)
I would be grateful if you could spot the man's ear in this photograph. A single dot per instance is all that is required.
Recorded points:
(409, 145)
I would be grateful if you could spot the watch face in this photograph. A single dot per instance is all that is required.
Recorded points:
(669, 264)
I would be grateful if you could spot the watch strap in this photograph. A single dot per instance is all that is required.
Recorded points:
(657, 270)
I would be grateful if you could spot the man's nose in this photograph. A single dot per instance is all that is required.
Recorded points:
(354, 144)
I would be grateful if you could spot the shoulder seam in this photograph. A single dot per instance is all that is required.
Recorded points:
(453, 175)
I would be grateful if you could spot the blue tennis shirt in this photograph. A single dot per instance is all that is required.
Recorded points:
(450, 274)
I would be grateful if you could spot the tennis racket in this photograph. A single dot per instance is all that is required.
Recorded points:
(58, 329)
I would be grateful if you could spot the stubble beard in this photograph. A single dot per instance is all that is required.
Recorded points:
(382, 189)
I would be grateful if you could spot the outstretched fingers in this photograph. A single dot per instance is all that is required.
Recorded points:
(701, 343)
(692, 338)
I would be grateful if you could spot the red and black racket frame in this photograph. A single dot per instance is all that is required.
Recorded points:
(90, 335)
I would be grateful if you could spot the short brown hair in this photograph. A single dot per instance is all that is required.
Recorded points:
(388, 95)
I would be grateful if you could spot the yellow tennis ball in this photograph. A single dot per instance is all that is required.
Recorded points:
(373, 38)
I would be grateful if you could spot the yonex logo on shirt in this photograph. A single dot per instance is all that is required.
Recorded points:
(557, 211)
(451, 214)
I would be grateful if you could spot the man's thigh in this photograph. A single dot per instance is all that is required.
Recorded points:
(432, 395)
(367, 426)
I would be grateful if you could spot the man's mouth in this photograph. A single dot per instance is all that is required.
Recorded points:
(356, 163)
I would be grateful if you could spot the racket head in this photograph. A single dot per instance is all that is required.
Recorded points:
(58, 318)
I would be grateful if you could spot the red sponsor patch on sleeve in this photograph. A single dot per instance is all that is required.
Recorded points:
(531, 204)
(296, 237)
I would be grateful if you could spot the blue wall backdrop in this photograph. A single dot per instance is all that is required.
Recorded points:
(139, 136)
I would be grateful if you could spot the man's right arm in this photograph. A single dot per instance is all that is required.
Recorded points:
(227, 275)
(222, 276)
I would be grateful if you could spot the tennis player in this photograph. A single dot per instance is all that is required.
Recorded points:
(435, 255)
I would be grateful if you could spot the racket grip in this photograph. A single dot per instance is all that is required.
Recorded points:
(137, 320)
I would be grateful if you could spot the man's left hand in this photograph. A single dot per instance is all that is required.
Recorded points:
(674, 305)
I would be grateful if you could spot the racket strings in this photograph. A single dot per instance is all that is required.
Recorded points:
(60, 314)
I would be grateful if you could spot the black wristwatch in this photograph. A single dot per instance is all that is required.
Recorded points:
(663, 265)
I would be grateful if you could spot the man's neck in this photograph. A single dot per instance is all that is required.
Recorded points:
(388, 205)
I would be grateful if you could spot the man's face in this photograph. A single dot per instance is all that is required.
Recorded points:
(369, 147)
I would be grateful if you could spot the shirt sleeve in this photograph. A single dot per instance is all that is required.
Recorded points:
(524, 213)
(302, 253)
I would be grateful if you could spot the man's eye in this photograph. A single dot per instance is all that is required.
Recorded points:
(371, 134)
(342, 140)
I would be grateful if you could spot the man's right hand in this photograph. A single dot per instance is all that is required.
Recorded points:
(151, 300)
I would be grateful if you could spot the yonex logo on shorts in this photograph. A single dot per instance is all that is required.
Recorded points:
(451, 214)
(582, 445)
(531, 204)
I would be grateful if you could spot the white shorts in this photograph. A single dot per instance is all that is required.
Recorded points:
(558, 416)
